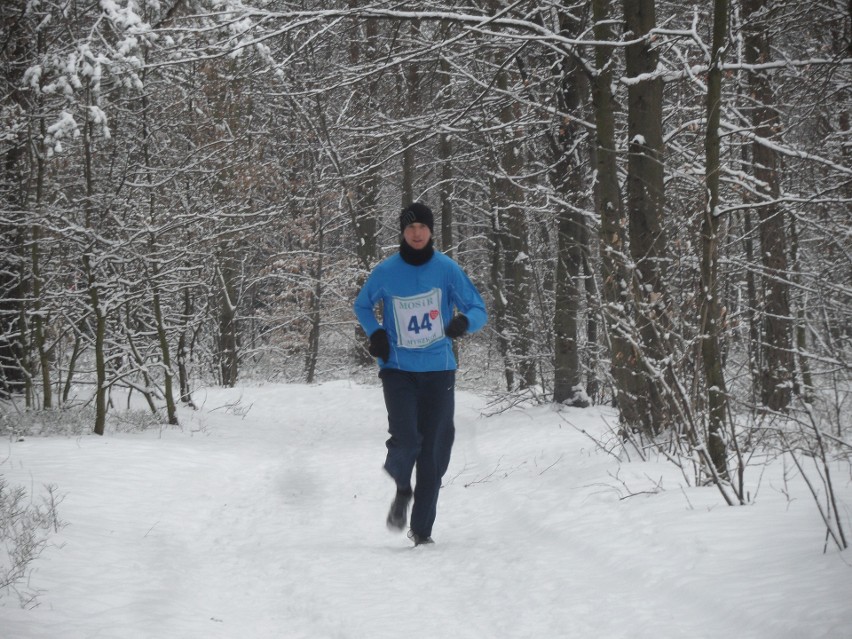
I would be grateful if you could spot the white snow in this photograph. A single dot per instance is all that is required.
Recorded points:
(263, 516)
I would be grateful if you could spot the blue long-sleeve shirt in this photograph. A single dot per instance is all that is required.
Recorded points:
(417, 306)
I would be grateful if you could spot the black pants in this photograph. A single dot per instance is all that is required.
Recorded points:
(420, 422)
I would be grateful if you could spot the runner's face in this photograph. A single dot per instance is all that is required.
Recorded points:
(417, 235)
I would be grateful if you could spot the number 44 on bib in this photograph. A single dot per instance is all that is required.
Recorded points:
(418, 319)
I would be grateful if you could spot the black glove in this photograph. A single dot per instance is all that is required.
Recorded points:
(379, 345)
(457, 326)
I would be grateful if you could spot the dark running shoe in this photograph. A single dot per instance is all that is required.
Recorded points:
(398, 513)
(418, 539)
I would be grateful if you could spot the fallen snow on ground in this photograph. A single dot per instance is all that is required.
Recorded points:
(263, 516)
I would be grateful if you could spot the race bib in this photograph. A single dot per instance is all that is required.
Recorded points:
(418, 319)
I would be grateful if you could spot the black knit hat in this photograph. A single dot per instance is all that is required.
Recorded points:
(417, 212)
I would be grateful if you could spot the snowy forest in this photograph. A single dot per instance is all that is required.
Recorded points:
(653, 197)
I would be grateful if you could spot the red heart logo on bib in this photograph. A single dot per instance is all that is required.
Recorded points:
(433, 314)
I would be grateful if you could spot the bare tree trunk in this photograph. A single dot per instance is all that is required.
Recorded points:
(807, 388)
(12, 376)
(568, 369)
(411, 88)
(72, 366)
(13, 187)
(645, 204)
(515, 244)
(39, 321)
(755, 348)
(777, 371)
(100, 341)
(445, 157)
(711, 235)
(165, 352)
(498, 288)
(572, 238)
(228, 340)
(616, 290)
(593, 382)
(363, 196)
(315, 304)
(184, 350)
(24, 359)
(153, 278)
(93, 287)
(35, 253)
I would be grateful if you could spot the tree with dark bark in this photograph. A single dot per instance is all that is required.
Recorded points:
(617, 291)
(712, 235)
(776, 371)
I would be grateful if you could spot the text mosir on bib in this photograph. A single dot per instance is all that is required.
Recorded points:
(418, 319)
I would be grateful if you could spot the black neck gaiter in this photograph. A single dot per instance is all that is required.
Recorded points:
(416, 257)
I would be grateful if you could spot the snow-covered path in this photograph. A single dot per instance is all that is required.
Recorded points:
(265, 518)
